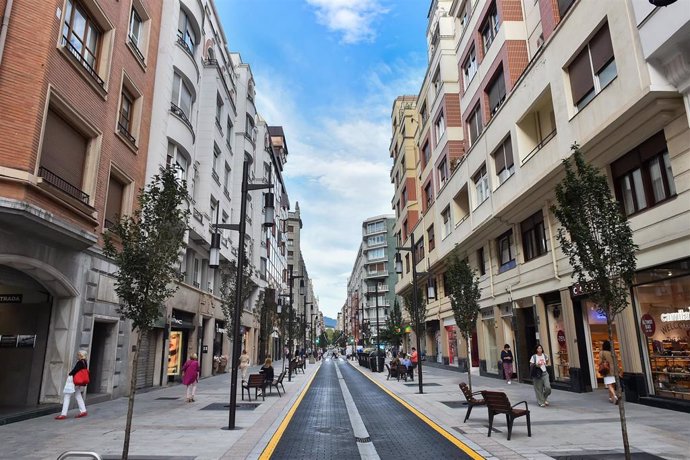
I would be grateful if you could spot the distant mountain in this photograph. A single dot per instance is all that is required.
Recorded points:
(329, 322)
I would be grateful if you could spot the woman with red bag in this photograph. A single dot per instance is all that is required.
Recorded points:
(75, 388)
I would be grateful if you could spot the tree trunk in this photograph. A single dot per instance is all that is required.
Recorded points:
(132, 392)
(619, 394)
(468, 337)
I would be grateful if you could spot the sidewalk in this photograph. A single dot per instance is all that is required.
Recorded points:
(575, 425)
(164, 425)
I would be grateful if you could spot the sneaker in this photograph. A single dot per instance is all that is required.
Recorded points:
(81, 414)
(60, 417)
(541, 405)
(509, 382)
(546, 403)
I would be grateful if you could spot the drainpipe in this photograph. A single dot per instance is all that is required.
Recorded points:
(4, 27)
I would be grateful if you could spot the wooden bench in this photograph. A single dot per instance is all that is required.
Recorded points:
(393, 372)
(277, 383)
(296, 365)
(497, 402)
(471, 400)
(257, 382)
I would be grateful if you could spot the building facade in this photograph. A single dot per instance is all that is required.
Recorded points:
(534, 78)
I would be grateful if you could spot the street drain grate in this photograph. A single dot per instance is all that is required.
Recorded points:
(454, 404)
(367, 439)
(223, 406)
(168, 398)
(424, 384)
(602, 455)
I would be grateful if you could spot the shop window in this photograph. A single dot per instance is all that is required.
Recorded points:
(496, 91)
(474, 124)
(503, 161)
(664, 323)
(489, 332)
(533, 236)
(558, 349)
(593, 69)
(469, 68)
(506, 251)
(598, 331)
(481, 262)
(643, 177)
(481, 185)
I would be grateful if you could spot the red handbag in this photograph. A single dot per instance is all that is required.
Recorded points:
(81, 378)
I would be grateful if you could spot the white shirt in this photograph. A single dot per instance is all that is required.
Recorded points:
(540, 360)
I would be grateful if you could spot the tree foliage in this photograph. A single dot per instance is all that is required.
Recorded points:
(145, 246)
(228, 279)
(597, 239)
(417, 315)
(464, 292)
(393, 332)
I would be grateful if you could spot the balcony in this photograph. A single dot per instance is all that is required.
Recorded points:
(382, 289)
(376, 274)
(122, 129)
(62, 185)
(135, 49)
(78, 56)
(179, 113)
(185, 46)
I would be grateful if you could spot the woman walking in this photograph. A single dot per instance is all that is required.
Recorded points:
(244, 364)
(71, 388)
(540, 378)
(190, 376)
(605, 367)
(507, 360)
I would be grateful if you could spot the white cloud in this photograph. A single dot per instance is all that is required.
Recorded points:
(338, 168)
(352, 18)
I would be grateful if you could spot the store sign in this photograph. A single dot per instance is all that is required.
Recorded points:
(647, 325)
(11, 298)
(680, 315)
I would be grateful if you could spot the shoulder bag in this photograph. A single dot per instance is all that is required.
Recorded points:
(81, 378)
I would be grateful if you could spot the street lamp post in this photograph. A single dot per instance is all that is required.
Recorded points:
(214, 262)
(415, 307)
(313, 334)
(378, 339)
(293, 277)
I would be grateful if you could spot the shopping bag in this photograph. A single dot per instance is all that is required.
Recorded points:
(81, 378)
(69, 385)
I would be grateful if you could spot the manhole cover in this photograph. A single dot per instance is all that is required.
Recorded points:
(168, 398)
(223, 406)
(454, 404)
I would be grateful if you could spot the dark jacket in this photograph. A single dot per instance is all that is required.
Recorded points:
(268, 373)
(81, 364)
(507, 356)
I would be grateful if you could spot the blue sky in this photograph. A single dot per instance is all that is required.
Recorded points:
(328, 72)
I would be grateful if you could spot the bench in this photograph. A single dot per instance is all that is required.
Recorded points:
(296, 365)
(277, 383)
(393, 372)
(497, 402)
(471, 400)
(257, 382)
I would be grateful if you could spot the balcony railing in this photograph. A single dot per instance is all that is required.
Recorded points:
(378, 274)
(215, 177)
(135, 48)
(60, 183)
(220, 128)
(125, 132)
(197, 215)
(175, 109)
(185, 46)
(79, 57)
(211, 62)
(540, 145)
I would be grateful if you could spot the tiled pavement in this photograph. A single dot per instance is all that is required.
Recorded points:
(574, 426)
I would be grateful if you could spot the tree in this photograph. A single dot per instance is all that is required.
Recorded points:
(228, 277)
(464, 292)
(145, 247)
(393, 332)
(417, 313)
(597, 239)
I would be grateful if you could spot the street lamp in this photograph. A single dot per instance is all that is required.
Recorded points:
(430, 294)
(293, 277)
(304, 339)
(214, 261)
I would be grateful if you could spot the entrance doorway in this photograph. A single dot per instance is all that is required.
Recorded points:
(101, 359)
(526, 341)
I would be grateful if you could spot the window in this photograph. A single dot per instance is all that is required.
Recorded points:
(442, 172)
(533, 236)
(503, 160)
(226, 179)
(436, 81)
(464, 14)
(481, 185)
(375, 240)
(124, 123)
(428, 196)
(135, 29)
(228, 139)
(216, 156)
(469, 67)
(376, 227)
(496, 92)
(564, 6)
(592, 69)
(214, 208)
(182, 98)
(490, 28)
(403, 197)
(82, 36)
(219, 109)
(375, 254)
(475, 124)
(430, 237)
(643, 177)
(426, 151)
(506, 253)
(447, 222)
(440, 127)
(113, 203)
(178, 161)
(424, 113)
(185, 33)
(481, 263)
(419, 250)
(250, 127)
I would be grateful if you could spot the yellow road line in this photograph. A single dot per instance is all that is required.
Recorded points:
(275, 439)
(443, 432)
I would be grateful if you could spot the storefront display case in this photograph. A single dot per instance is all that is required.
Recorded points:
(670, 364)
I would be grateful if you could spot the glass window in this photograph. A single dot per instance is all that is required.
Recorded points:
(126, 106)
(182, 95)
(481, 263)
(440, 127)
(503, 161)
(506, 251)
(593, 68)
(135, 28)
(490, 28)
(81, 35)
(447, 222)
(496, 92)
(533, 236)
(430, 237)
(475, 124)
(426, 150)
(442, 172)
(469, 67)
(185, 31)
(428, 196)
(481, 185)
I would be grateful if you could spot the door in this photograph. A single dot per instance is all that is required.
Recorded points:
(526, 338)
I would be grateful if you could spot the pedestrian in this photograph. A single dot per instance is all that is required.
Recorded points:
(267, 371)
(190, 377)
(540, 378)
(605, 367)
(414, 357)
(76, 390)
(507, 360)
(244, 364)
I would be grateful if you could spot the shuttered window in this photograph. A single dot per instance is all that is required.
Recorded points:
(581, 79)
(64, 150)
(601, 49)
(113, 205)
(503, 160)
(497, 92)
(593, 68)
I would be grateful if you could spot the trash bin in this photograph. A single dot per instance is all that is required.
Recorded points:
(377, 365)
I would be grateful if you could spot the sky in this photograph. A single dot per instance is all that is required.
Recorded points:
(328, 71)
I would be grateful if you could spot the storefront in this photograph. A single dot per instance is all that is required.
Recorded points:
(451, 342)
(662, 297)
(181, 328)
(491, 353)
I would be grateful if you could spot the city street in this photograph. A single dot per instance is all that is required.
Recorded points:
(315, 420)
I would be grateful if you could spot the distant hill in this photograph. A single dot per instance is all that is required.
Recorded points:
(329, 322)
